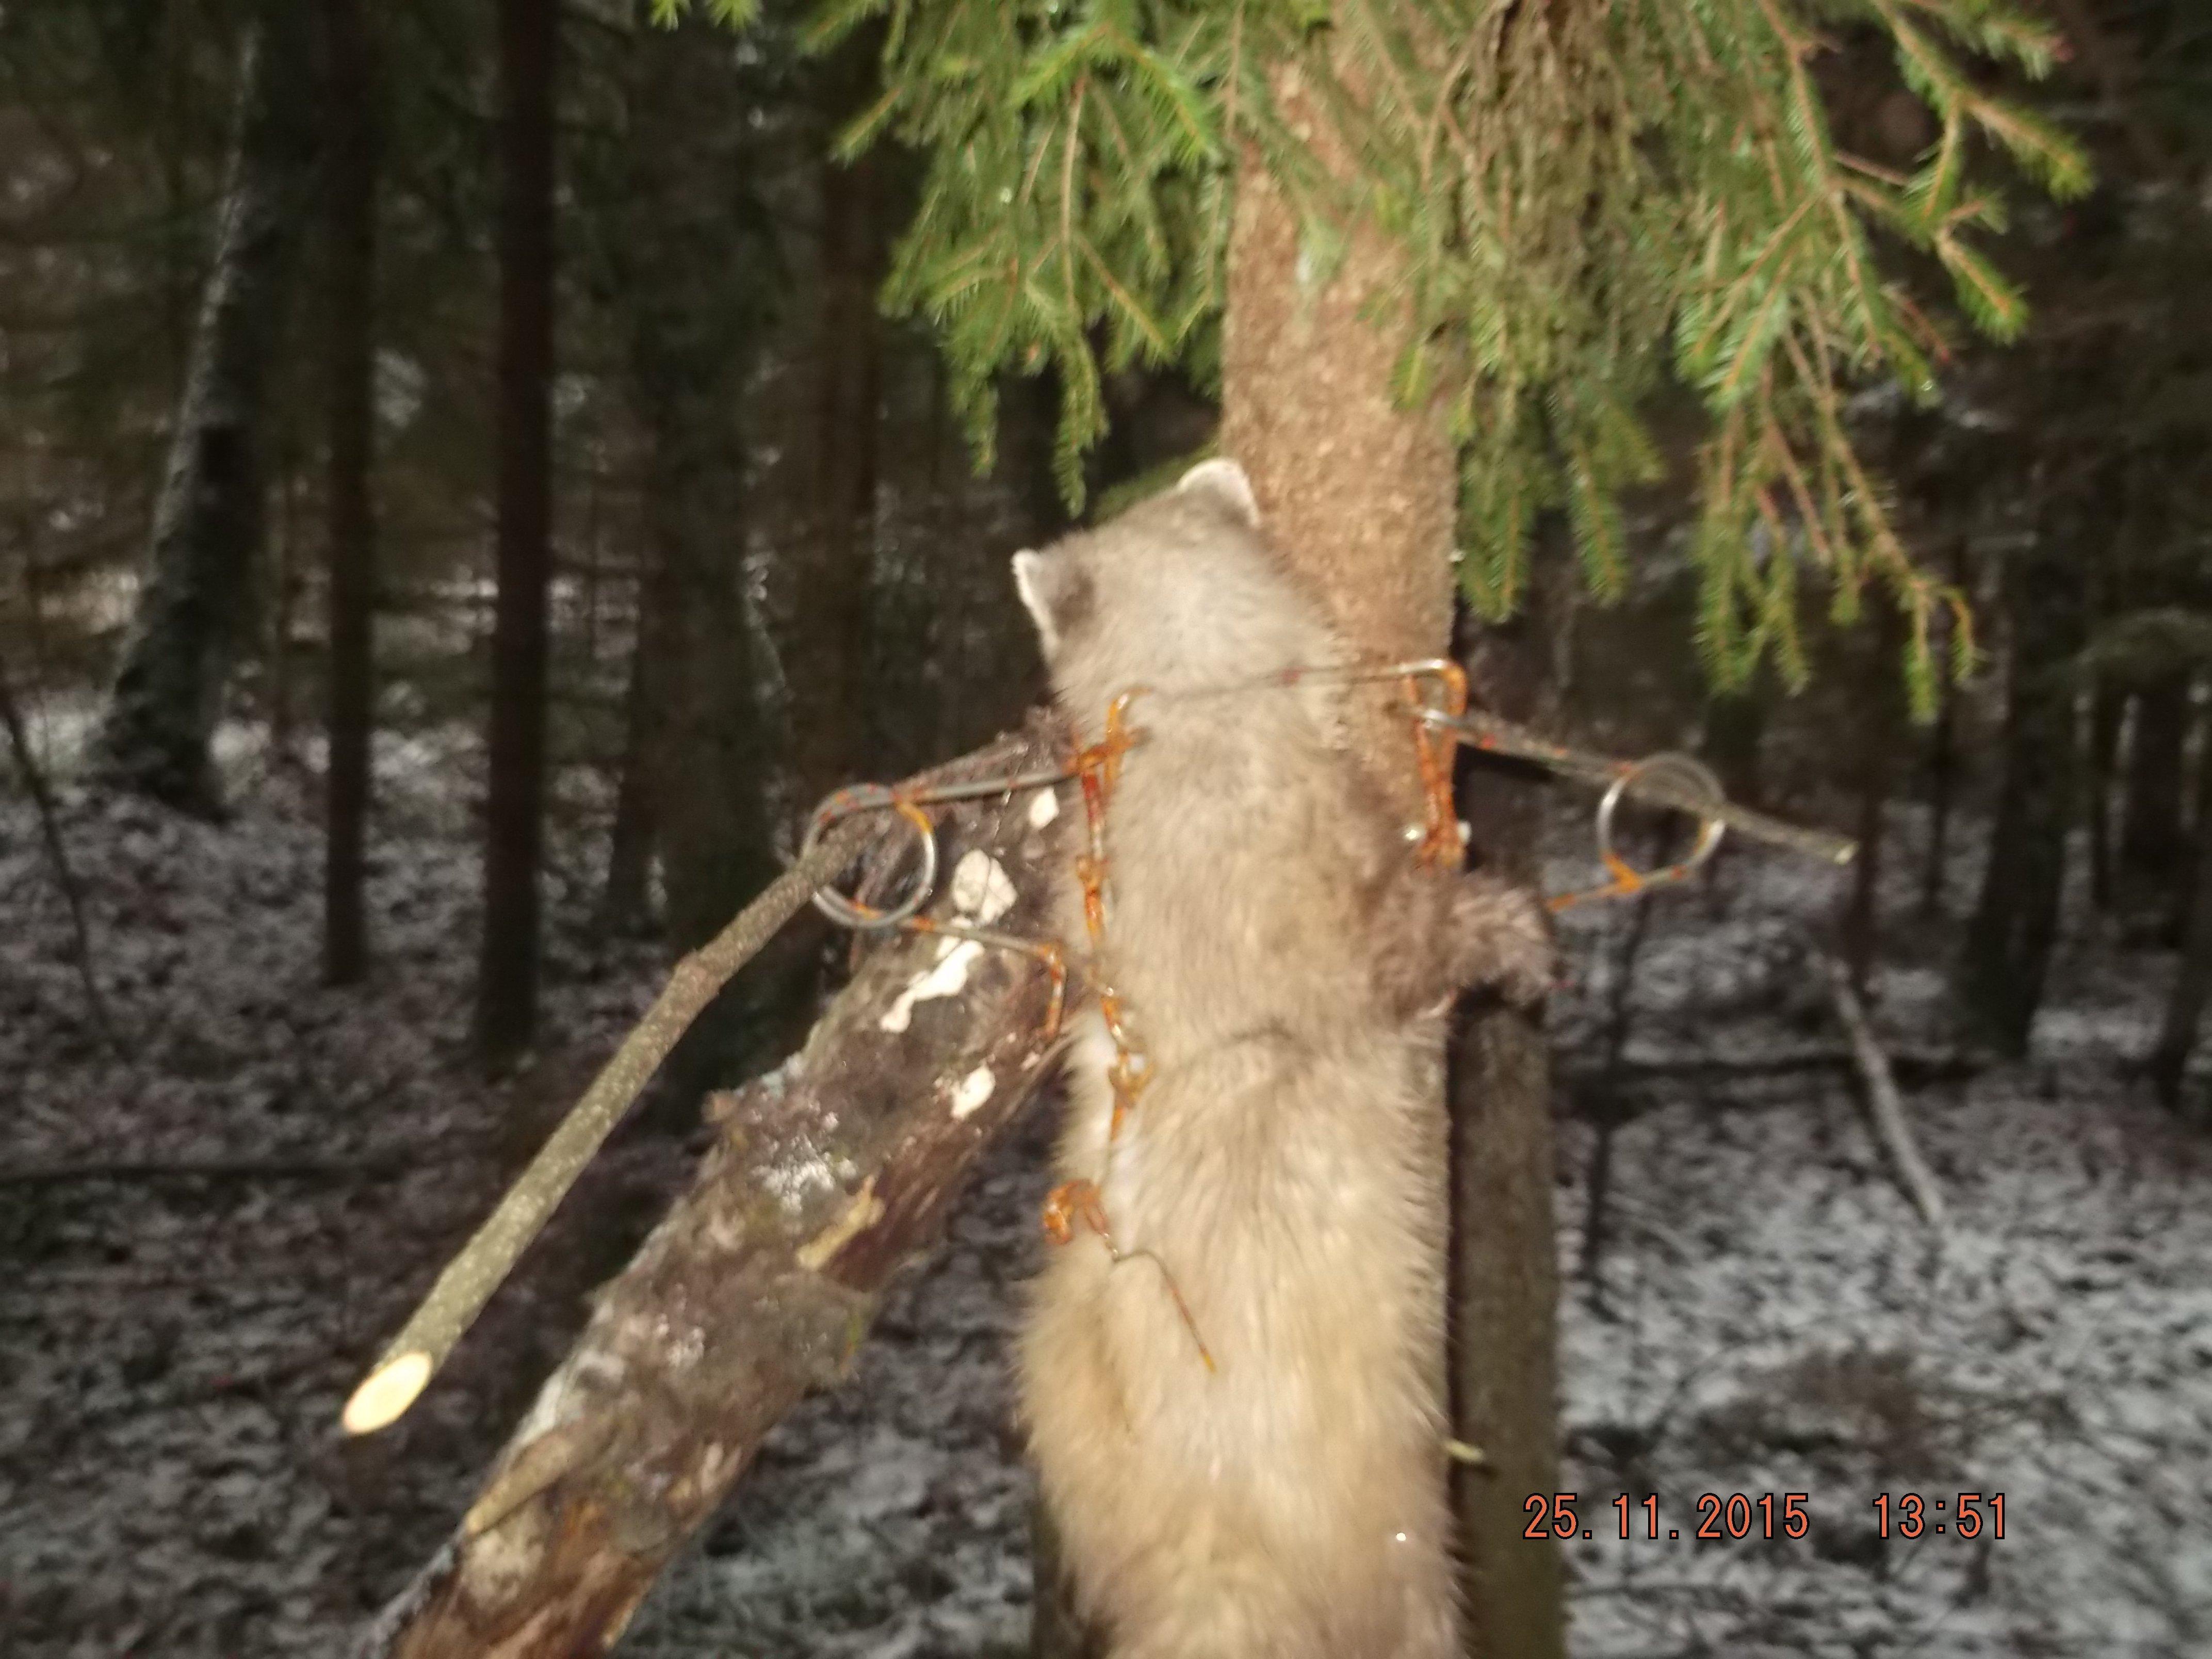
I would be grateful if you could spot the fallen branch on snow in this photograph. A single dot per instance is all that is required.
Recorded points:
(1885, 1107)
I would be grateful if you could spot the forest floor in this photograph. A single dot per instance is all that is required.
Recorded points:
(202, 1238)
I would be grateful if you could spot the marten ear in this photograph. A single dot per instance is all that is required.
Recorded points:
(1057, 592)
(1222, 480)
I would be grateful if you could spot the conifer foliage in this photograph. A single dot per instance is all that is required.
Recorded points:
(1593, 193)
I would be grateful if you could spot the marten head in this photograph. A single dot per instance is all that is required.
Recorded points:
(1181, 592)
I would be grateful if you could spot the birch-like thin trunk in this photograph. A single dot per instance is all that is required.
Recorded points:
(157, 734)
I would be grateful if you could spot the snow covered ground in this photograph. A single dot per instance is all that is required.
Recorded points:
(202, 1239)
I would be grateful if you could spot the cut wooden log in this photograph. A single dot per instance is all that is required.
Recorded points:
(761, 1281)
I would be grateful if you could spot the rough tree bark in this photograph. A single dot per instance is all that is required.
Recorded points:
(208, 519)
(350, 221)
(1362, 497)
(755, 1291)
(507, 985)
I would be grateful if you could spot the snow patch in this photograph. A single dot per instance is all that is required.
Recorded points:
(972, 1090)
(982, 893)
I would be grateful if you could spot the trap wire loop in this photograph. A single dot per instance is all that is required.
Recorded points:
(1668, 779)
(1652, 786)
(1673, 768)
(1436, 702)
(907, 804)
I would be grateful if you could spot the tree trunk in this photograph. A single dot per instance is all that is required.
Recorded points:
(2107, 708)
(350, 198)
(690, 349)
(1734, 735)
(2152, 842)
(167, 695)
(1943, 767)
(1505, 1267)
(507, 985)
(1880, 734)
(2192, 983)
(283, 748)
(829, 723)
(2016, 921)
(738, 1305)
(625, 902)
(1362, 496)
(694, 332)
(2181, 893)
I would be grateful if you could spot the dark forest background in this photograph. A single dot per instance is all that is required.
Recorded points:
(461, 503)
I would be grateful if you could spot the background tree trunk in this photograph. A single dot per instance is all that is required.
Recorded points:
(2192, 985)
(690, 352)
(1361, 498)
(1882, 734)
(515, 827)
(2016, 921)
(2107, 708)
(208, 521)
(1735, 738)
(350, 195)
(829, 719)
(692, 345)
(626, 900)
(2152, 844)
(1505, 1269)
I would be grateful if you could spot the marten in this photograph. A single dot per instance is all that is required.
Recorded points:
(1234, 1397)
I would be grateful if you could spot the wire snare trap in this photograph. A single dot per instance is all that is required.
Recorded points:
(1435, 693)
(836, 838)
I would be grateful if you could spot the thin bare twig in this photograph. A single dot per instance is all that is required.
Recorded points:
(42, 795)
(1885, 1107)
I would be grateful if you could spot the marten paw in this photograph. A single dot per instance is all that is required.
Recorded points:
(1502, 940)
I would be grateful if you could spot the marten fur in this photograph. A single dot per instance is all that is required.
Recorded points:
(1284, 964)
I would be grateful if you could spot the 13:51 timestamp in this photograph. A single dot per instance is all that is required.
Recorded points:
(1909, 1515)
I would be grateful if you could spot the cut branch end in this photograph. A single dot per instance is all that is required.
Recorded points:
(386, 1393)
